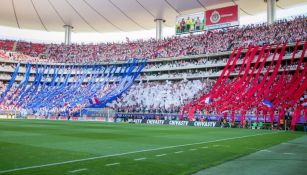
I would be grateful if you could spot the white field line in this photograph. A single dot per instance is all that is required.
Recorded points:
(204, 147)
(142, 158)
(78, 170)
(111, 164)
(160, 155)
(131, 152)
(289, 153)
(192, 149)
(265, 150)
(178, 152)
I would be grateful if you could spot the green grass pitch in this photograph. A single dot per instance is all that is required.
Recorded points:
(39, 147)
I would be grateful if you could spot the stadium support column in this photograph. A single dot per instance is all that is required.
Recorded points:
(68, 29)
(271, 11)
(159, 28)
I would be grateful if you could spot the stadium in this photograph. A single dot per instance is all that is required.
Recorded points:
(153, 87)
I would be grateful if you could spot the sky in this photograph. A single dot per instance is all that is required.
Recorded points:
(58, 37)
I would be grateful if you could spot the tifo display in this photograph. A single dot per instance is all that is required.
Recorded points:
(259, 76)
(215, 96)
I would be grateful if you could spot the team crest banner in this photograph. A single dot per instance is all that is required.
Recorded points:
(221, 17)
(210, 19)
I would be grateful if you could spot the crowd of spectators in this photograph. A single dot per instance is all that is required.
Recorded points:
(158, 96)
(5, 104)
(6, 44)
(205, 43)
(161, 96)
(137, 99)
(17, 56)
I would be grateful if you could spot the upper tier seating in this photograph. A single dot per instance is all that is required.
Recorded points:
(205, 43)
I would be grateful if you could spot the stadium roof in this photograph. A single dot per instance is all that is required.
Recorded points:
(113, 15)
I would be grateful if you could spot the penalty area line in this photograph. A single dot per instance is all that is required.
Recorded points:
(131, 152)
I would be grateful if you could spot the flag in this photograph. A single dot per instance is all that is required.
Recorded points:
(94, 101)
(267, 103)
(225, 112)
(67, 104)
(208, 100)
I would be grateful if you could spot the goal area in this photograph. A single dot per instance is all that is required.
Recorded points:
(97, 114)
(10, 114)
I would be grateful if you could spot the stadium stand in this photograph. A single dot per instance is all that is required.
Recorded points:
(179, 69)
(250, 91)
(160, 97)
(213, 97)
(6, 45)
(205, 43)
